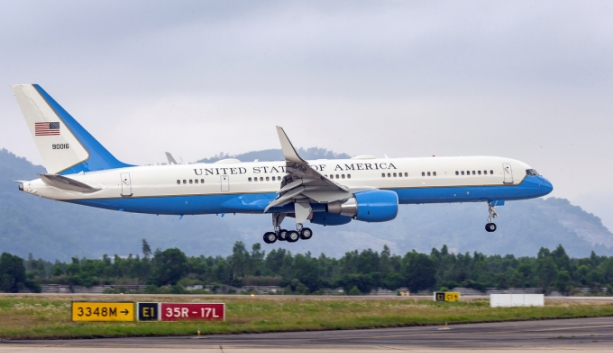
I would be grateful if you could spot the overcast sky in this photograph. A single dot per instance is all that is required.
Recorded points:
(530, 80)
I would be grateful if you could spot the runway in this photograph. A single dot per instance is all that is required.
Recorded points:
(580, 335)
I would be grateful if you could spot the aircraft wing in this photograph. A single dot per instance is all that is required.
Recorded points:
(303, 184)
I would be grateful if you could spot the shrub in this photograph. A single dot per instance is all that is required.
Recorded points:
(354, 291)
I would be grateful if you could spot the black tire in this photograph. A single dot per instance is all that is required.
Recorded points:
(306, 234)
(282, 235)
(270, 237)
(491, 227)
(292, 236)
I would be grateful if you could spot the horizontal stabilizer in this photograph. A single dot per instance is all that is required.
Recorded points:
(64, 183)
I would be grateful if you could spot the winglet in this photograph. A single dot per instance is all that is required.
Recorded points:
(170, 158)
(289, 152)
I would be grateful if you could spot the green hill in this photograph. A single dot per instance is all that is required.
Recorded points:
(56, 230)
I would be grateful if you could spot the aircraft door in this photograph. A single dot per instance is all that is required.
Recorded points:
(508, 173)
(126, 184)
(225, 183)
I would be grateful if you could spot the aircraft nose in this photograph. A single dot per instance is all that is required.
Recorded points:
(546, 186)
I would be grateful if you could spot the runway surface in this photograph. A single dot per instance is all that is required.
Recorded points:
(583, 335)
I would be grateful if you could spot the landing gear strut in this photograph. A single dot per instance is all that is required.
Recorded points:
(490, 226)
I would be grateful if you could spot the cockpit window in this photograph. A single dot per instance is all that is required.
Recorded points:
(532, 172)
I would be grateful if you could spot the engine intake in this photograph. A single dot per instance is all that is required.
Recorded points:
(368, 206)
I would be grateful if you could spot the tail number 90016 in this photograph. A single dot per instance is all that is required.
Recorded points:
(60, 146)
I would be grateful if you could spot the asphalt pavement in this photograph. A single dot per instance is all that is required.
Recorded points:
(584, 335)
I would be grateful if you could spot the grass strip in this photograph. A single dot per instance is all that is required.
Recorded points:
(49, 317)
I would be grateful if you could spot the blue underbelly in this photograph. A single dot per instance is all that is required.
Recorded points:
(256, 203)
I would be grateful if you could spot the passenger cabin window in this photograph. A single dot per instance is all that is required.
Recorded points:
(383, 175)
(434, 173)
(423, 174)
(491, 172)
(456, 173)
(406, 174)
(348, 176)
(479, 172)
(184, 181)
(178, 182)
(196, 181)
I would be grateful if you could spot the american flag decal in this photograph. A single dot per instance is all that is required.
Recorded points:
(47, 129)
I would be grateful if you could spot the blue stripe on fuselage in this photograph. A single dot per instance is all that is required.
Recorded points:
(531, 187)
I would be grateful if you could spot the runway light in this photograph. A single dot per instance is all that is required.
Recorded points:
(253, 295)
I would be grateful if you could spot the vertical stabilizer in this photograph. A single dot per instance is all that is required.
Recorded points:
(64, 145)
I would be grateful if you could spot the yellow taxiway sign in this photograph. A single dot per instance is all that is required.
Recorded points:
(102, 311)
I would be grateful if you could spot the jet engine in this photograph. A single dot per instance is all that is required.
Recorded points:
(368, 206)
(329, 219)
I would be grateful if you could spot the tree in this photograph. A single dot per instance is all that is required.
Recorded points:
(560, 258)
(562, 281)
(606, 268)
(239, 260)
(307, 272)
(146, 249)
(169, 266)
(420, 273)
(547, 271)
(12, 273)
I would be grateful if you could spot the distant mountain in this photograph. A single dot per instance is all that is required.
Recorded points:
(57, 230)
(277, 155)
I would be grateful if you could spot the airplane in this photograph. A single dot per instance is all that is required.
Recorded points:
(325, 192)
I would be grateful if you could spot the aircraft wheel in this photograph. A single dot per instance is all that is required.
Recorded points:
(282, 235)
(292, 236)
(270, 237)
(306, 234)
(490, 227)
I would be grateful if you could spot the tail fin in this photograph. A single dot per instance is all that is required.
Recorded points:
(64, 145)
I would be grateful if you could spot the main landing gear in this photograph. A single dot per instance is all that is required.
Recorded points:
(291, 236)
(491, 227)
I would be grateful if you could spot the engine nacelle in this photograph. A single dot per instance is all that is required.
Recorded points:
(368, 206)
(329, 219)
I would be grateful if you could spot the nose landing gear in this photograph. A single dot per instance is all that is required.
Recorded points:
(491, 227)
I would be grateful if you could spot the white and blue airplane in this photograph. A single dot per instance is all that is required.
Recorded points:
(326, 192)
